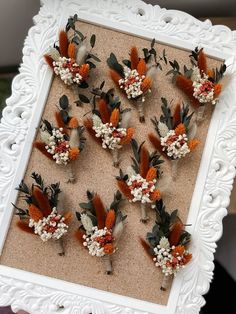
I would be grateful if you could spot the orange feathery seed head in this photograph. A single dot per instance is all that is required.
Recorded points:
(42, 201)
(115, 117)
(180, 129)
(187, 258)
(41, 147)
(211, 73)
(84, 71)
(111, 218)
(63, 44)
(108, 248)
(142, 67)
(192, 144)
(123, 187)
(60, 122)
(24, 226)
(156, 143)
(68, 217)
(176, 115)
(152, 174)
(186, 85)
(71, 50)
(115, 76)
(156, 195)
(217, 90)
(202, 62)
(178, 251)
(144, 162)
(104, 112)
(146, 248)
(35, 213)
(175, 233)
(49, 60)
(74, 153)
(100, 211)
(146, 84)
(79, 236)
(126, 139)
(73, 123)
(134, 58)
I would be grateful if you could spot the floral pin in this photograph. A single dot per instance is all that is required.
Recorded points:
(167, 244)
(64, 143)
(136, 77)
(100, 229)
(199, 83)
(43, 216)
(71, 60)
(174, 133)
(140, 185)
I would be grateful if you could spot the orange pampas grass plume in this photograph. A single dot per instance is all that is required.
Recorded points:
(175, 233)
(49, 60)
(211, 73)
(192, 144)
(111, 218)
(129, 134)
(144, 162)
(178, 251)
(115, 76)
(88, 123)
(146, 84)
(134, 58)
(42, 201)
(202, 62)
(35, 213)
(217, 90)
(63, 43)
(152, 174)
(84, 71)
(187, 258)
(176, 116)
(115, 117)
(68, 217)
(71, 50)
(60, 122)
(24, 226)
(142, 67)
(79, 236)
(156, 195)
(74, 153)
(100, 211)
(108, 248)
(156, 143)
(73, 123)
(146, 247)
(186, 86)
(123, 187)
(41, 147)
(180, 129)
(104, 112)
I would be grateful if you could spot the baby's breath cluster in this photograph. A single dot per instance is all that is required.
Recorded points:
(175, 146)
(141, 189)
(50, 227)
(68, 70)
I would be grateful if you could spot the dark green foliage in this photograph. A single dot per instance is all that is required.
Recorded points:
(166, 117)
(115, 65)
(148, 53)
(64, 102)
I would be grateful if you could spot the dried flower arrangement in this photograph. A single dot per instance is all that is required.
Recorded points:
(199, 83)
(140, 184)
(175, 134)
(43, 216)
(100, 229)
(72, 60)
(167, 243)
(109, 124)
(136, 77)
(63, 143)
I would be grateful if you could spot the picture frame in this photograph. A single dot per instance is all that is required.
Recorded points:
(40, 294)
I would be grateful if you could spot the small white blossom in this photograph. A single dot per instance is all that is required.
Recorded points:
(68, 70)
(176, 146)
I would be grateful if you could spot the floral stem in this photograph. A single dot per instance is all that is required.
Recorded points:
(70, 174)
(200, 113)
(115, 156)
(62, 248)
(140, 111)
(165, 282)
(108, 264)
(174, 168)
(144, 217)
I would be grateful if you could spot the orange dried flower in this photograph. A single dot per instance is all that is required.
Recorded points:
(186, 85)
(24, 226)
(156, 195)
(152, 174)
(156, 143)
(68, 217)
(134, 58)
(73, 123)
(41, 147)
(144, 162)
(110, 219)
(192, 144)
(175, 233)
(187, 258)
(178, 251)
(115, 116)
(35, 213)
(49, 60)
(115, 76)
(146, 84)
(176, 115)
(211, 73)
(63, 43)
(202, 62)
(217, 90)
(108, 248)
(72, 50)
(74, 153)
(126, 139)
(79, 236)
(100, 211)
(84, 71)
(180, 129)
(42, 201)
(104, 112)
(142, 67)
(124, 189)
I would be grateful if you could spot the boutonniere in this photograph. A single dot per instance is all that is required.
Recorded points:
(42, 215)
(72, 60)
(109, 124)
(64, 143)
(140, 184)
(199, 83)
(100, 228)
(135, 78)
(167, 243)
(174, 133)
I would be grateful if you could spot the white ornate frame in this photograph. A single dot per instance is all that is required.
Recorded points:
(39, 294)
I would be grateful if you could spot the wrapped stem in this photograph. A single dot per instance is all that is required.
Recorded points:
(165, 282)
(140, 110)
(70, 173)
(174, 168)
(200, 114)
(115, 156)
(62, 247)
(144, 217)
(108, 264)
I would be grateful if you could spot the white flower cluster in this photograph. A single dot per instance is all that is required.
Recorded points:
(110, 135)
(132, 83)
(140, 188)
(91, 241)
(68, 70)
(58, 147)
(176, 146)
(50, 227)
(203, 88)
(169, 264)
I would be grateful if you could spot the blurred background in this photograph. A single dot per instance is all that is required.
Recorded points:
(15, 21)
